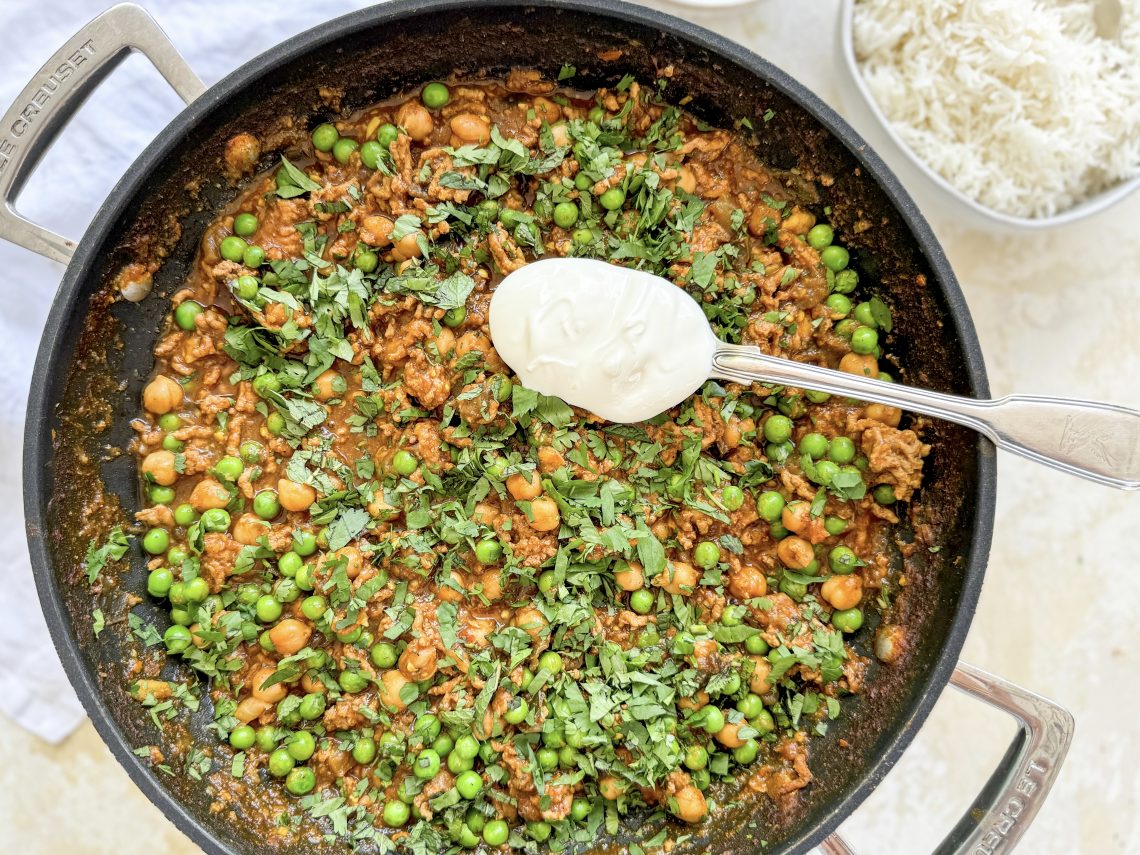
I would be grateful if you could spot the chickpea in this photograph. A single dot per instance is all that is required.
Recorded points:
(729, 735)
(248, 528)
(704, 648)
(859, 363)
(294, 496)
(445, 341)
(524, 485)
(689, 804)
(242, 152)
(269, 694)
(531, 621)
(678, 577)
(208, 494)
(761, 219)
(549, 459)
(290, 635)
(688, 180)
(162, 395)
(389, 689)
(313, 684)
(843, 592)
(250, 709)
(492, 582)
(485, 513)
(159, 467)
(795, 552)
(416, 120)
(472, 340)
(799, 221)
(631, 577)
(329, 385)
(408, 246)
(561, 134)
(545, 513)
(476, 631)
(882, 413)
(796, 516)
(732, 434)
(547, 110)
(696, 702)
(374, 230)
(448, 594)
(759, 682)
(747, 582)
(611, 788)
(471, 128)
(354, 559)
(418, 661)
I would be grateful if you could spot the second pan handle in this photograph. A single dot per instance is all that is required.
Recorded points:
(1015, 792)
(44, 106)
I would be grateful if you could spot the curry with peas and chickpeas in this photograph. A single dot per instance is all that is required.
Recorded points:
(438, 610)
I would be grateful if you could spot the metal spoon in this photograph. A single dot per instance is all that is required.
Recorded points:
(1100, 442)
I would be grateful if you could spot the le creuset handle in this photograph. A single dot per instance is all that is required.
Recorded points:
(1015, 792)
(1100, 442)
(58, 90)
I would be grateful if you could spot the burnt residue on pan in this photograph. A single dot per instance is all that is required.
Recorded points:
(89, 390)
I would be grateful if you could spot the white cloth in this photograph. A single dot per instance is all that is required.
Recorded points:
(124, 114)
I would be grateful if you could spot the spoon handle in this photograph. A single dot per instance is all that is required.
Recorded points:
(1100, 442)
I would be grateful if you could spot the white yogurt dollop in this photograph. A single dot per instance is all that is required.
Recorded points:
(621, 343)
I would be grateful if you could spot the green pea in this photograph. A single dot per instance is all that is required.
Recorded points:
(817, 397)
(304, 577)
(216, 519)
(185, 314)
(865, 316)
(242, 737)
(713, 720)
(732, 497)
(846, 281)
(435, 95)
(467, 747)
(517, 710)
(386, 134)
(158, 582)
(185, 515)
(612, 199)
(365, 260)
(312, 706)
(683, 643)
(325, 137)
(842, 449)
(160, 495)
(864, 340)
(268, 609)
(427, 727)
(246, 287)
(469, 784)
(289, 564)
(352, 682)
(796, 590)
(314, 607)
(641, 601)
(565, 215)
(301, 781)
(835, 525)
(884, 494)
(750, 705)
(825, 471)
(770, 505)
(443, 744)
(266, 738)
(343, 148)
(550, 662)
(427, 764)
(820, 236)
(496, 832)
(583, 236)
(304, 542)
(350, 636)
(839, 305)
(383, 655)
(580, 809)
(172, 444)
(746, 753)
(169, 422)
(842, 560)
(232, 248)
(156, 541)
(756, 645)
(813, 445)
(547, 758)
(835, 258)
(245, 224)
(396, 814)
(539, 830)
(763, 722)
(455, 316)
(229, 468)
(281, 763)
(254, 256)
(848, 620)
(196, 590)
(778, 429)
(404, 462)
(370, 154)
(301, 745)
(696, 757)
(265, 384)
(706, 554)
(266, 504)
(176, 638)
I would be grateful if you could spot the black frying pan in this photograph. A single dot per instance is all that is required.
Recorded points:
(96, 352)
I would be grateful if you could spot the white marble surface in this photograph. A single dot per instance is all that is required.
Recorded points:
(1057, 313)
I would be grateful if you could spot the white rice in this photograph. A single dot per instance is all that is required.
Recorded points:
(1020, 104)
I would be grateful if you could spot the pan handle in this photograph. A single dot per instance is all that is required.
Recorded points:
(57, 91)
(1015, 792)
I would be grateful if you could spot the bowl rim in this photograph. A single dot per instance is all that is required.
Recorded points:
(1093, 205)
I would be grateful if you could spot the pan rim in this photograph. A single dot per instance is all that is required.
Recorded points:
(37, 453)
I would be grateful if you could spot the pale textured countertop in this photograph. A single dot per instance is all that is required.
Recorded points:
(1057, 313)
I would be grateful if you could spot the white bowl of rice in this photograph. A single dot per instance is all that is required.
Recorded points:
(1025, 111)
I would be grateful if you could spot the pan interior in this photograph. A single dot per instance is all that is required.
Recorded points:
(97, 353)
